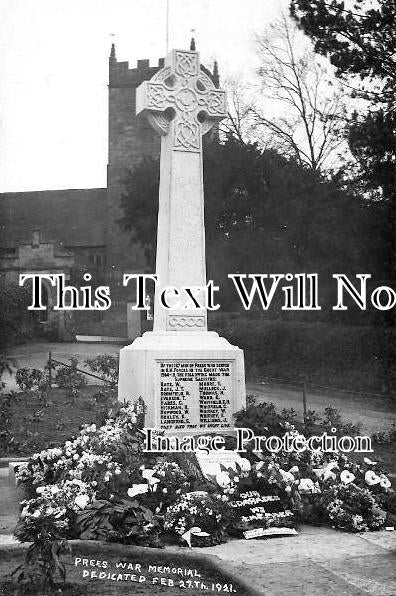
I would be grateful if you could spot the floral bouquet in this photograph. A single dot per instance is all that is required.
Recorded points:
(197, 519)
(160, 485)
(351, 508)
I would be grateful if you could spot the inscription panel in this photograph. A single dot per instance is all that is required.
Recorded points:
(195, 394)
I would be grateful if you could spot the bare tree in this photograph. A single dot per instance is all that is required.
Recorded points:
(240, 116)
(308, 117)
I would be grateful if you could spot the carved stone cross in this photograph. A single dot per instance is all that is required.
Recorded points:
(182, 104)
(183, 91)
(191, 379)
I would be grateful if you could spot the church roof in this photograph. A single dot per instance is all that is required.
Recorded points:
(73, 218)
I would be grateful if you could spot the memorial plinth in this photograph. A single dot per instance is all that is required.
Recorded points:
(191, 383)
(190, 379)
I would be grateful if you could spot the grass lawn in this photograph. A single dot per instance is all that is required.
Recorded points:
(44, 426)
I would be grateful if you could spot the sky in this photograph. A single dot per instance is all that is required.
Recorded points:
(54, 73)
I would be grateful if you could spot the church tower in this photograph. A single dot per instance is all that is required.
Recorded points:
(129, 140)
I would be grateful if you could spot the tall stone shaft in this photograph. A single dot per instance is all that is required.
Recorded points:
(182, 103)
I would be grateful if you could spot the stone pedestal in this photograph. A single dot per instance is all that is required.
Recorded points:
(191, 383)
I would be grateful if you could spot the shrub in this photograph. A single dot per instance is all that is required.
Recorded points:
(69, 378)
(341, 356)
(8, 444)
(7, 365)
(105, 366)
(29, 379)
(263, 417)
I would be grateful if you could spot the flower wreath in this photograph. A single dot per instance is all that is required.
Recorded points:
(197, 519)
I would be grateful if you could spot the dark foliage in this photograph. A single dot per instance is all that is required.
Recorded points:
(265, 213)
(17, 323)
(361, 44)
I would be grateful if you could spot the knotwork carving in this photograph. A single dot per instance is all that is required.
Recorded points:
(186, 134)
(186, 64)
(182, 90)
(185, 322)
(162, 75)
(215, 103)
(156, 97)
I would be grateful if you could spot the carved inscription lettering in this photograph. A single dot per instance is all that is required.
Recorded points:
(195, 395)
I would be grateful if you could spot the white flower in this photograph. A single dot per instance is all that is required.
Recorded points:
(24, 512)
(75, 456)
(384, 481)
(326, 472)
(149, 476)
(346, 477)
(245, 464)
(286, 476)
(223, 479)
(164, 490)
(137, 489)
(371, 478)
(306, 485)
(81, 501)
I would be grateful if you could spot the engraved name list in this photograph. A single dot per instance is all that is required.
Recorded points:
(195, 394)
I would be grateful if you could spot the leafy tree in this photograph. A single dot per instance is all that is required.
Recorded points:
(361, 44)
(140, 206)
(357, 43)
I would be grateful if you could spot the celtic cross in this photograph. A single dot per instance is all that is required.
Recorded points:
(182, 104)
(181, 100)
